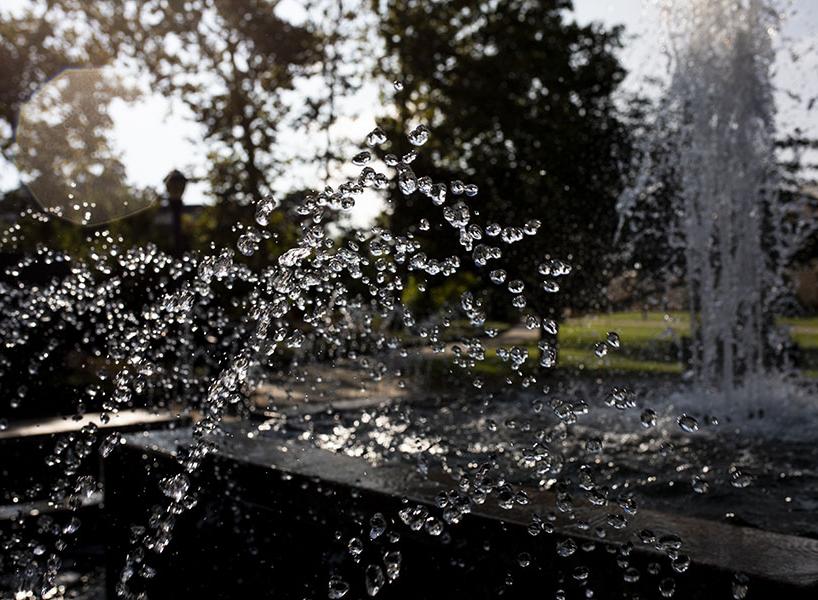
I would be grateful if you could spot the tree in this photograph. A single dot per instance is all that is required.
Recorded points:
(64, 150)
(231, 62)
(521, 101)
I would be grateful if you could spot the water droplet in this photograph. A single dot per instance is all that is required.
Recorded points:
(361, 158)
(667, 587)
(612, 339)
(264, 209)
(593, 446)
(109, 443)
(739, 478)
(355, 547)
(681, 563)
(248, 242)
(407, 182)
(648, 418)
(373, 579)
(688, 423)
(511, 235)
(550, 326)
(498, 276)
(433, 527)
(516, 286)
(740, 586)
(175, 487)
(376, 137)
(419, 135)
(377, 526)
(457, 215)
(338, 588)
(700, 485)
(566, 547)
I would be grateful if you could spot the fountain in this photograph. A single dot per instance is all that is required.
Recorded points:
(717, 162)
(284, 485)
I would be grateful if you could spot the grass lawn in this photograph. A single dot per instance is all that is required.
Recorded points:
(650, 344)
(650, 341)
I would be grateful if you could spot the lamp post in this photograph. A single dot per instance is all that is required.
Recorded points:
(175, 183)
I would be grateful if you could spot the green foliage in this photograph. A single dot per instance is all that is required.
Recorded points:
(521, 101)
(445, 293)
(231, 62)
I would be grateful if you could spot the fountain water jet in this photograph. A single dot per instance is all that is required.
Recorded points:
(716, 128)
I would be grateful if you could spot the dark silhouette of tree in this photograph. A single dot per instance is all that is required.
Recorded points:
(520, 100)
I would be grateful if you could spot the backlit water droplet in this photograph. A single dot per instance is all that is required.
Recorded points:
(688, 423)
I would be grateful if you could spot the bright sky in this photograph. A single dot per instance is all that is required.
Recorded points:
(156, 135)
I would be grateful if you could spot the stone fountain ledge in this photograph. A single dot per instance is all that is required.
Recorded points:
(289, 486)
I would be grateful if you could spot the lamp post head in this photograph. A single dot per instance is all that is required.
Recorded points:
(175, 183)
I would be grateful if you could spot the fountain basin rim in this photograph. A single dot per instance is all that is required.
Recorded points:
(786, 560)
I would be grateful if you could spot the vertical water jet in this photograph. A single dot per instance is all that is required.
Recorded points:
(716, 129)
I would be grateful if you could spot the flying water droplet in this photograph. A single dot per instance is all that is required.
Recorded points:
(407, 182)
(355, 547)
(264, 209)
(497, 276)
(740, 586)
(376, 137)
(361, 158)
(516, 286)
(374, 579)
(648, 418)
(175, 487)
(419, 135)
(700, 485)
(739, 478)
(566, 547)
(612, 339)
(338, 588)
(377, 526)
(550, 326)
(667, 587)
(688, 424)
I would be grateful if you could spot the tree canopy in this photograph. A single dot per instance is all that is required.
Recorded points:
(520, 99)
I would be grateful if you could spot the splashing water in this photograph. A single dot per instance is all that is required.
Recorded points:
(165, 328)
(203, 334)
(715, 151)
